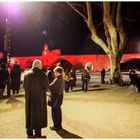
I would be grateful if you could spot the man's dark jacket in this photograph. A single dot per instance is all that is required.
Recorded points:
(35, 85)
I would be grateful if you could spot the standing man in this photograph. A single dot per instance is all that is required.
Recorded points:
(57, 90)
(85, 80)
(73, 79)
(35, 85)
(4, 75)
(103, 76)
(15, 76)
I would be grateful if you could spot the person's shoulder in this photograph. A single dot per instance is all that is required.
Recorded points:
(28, 72)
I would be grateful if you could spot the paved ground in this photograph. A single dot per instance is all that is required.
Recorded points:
(104, 111)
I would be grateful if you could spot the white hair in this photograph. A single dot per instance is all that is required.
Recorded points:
(37, 64)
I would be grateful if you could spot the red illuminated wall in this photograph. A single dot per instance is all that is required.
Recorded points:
(48, 57)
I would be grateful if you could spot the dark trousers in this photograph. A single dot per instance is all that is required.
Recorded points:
(102, 80)
(8, 87)
(67, 86)
(15, 91)
(37, 132)
(85, 85)
(1, 93)
(57, 116)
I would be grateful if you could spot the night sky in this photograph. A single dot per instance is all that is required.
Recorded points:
(56, 24)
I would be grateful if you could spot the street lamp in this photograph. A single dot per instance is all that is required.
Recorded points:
(11, 10)
(7, 40)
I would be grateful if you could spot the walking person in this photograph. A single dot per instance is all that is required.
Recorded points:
(134, 79)
(15, 76)
(35, 86)
(57, 91)
(4, 75)
(73, 79)
(67, 78)
(85, 79)
(103, 76)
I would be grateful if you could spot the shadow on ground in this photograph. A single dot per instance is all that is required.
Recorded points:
(98, 89)
(14, 102)
(66, 134)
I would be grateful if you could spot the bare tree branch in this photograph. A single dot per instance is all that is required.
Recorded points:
(79, 5)
(120, 26)
(74, 8)
(110, 27)
(130, 20)
(113, 12)
(91, 27)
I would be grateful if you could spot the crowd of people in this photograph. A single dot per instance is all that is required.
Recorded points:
(10, 79)
(38, 84)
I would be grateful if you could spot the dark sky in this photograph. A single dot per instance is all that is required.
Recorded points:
(57, 24)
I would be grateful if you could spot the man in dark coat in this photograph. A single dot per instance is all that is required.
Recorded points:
(57, 90)
(85, 79)
(35, 85)
(15, 76)
(4, 75)
(103, 76)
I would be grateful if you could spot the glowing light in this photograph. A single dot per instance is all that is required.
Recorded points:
(12, 8)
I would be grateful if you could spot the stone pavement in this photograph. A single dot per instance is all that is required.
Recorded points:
(104, 111)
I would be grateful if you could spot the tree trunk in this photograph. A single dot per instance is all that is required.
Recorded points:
(115, 72)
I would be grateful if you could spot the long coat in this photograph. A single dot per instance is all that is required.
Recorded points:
(57, 90)
(35, 85)
(15, 79)
(74, 79)
(4, 75)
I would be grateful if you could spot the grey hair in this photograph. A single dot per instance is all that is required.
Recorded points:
(37, 64)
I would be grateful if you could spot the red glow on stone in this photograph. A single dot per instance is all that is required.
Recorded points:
(48, 57)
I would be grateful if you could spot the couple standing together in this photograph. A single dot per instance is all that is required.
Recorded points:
(36, 85)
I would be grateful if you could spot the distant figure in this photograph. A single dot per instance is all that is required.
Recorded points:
(133, 78)
(103, 76)
(15, 76)
(130, 75)
(85, 79)
(4, 75)
(73, 79)
(138, 83)
(57, 91)
(35, 86)
(67, 78)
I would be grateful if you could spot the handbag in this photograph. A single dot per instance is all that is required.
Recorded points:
(52, 101)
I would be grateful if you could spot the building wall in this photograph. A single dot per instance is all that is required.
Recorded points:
(98, 61)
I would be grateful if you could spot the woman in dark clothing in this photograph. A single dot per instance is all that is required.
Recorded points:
(35, 86)
(134, 79)
(4, 75)
(103, 76)
(57, 91)
(15, 78)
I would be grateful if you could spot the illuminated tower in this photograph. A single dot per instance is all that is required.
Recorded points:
(7, 39)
